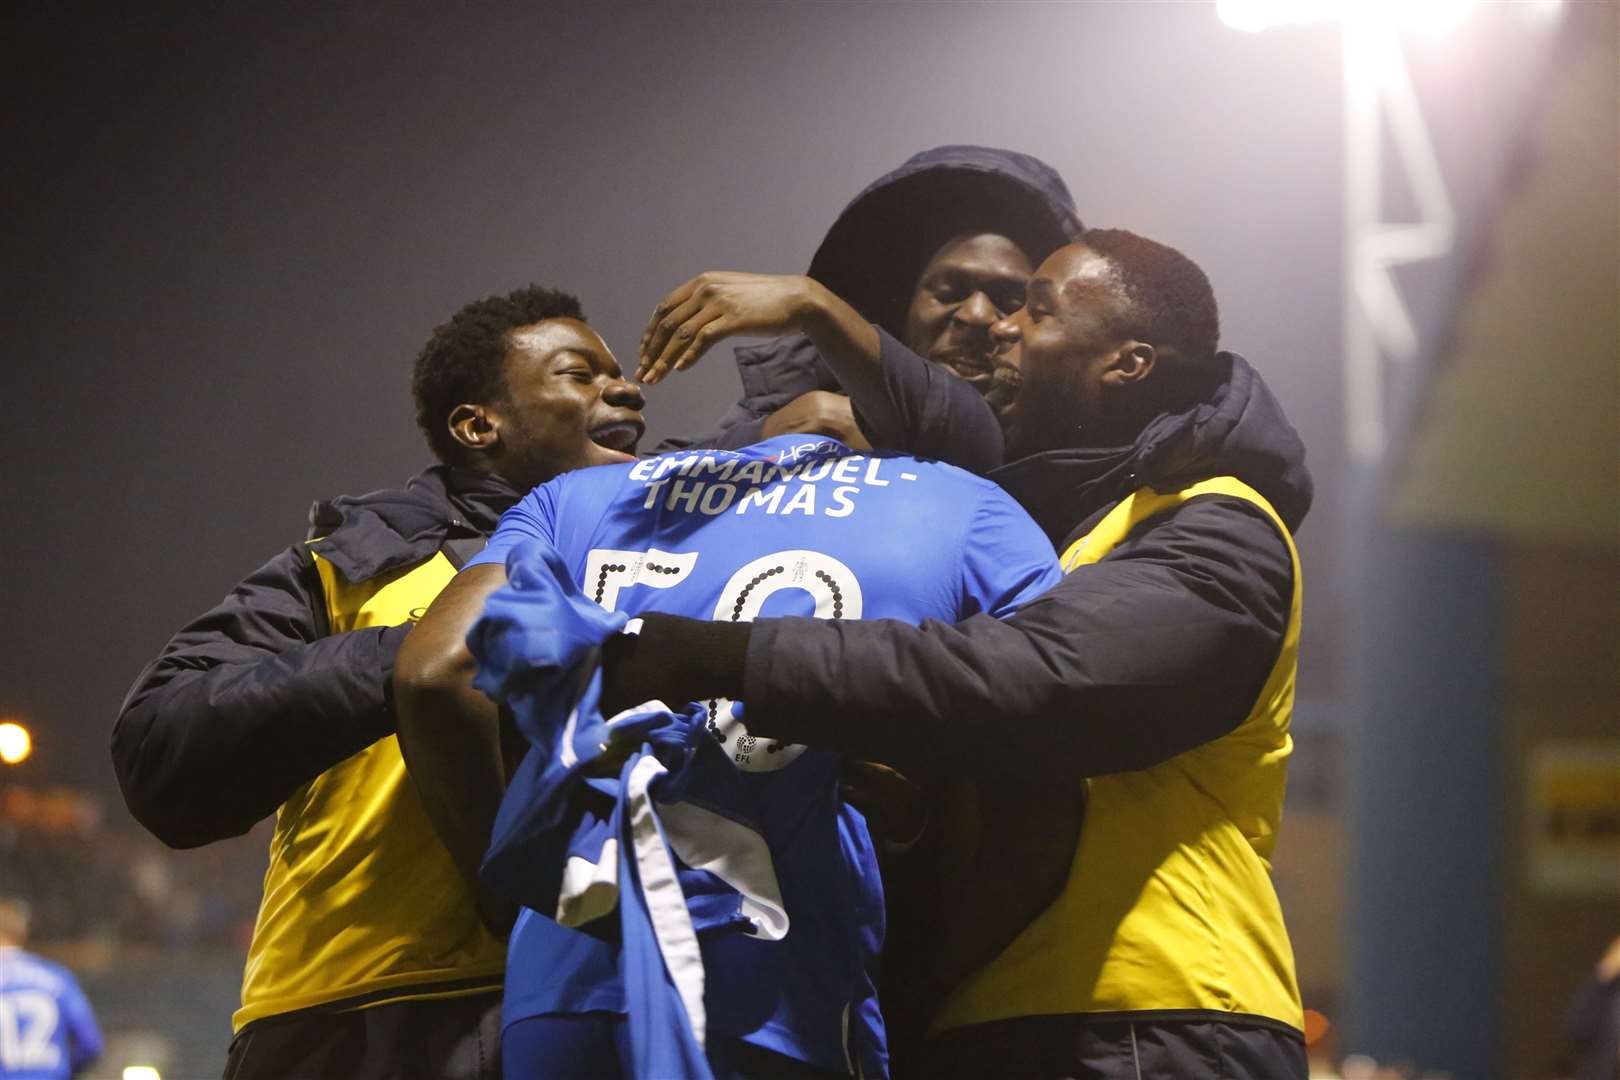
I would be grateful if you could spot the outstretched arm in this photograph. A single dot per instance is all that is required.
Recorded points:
(721, 304)
(1123, 664)
(903, 402)
(449, 732)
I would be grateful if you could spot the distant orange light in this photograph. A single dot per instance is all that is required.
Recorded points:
(15, 743)
(1316, 1026)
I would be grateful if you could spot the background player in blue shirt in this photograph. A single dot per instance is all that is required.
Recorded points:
(47, 1031)
(797, 525)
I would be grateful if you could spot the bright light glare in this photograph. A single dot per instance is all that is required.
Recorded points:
(1257, 15)
(1542, 10)
(15, 743)
(141, 1072)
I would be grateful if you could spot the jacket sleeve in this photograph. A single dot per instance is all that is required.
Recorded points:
(1159, 647)
(925, 410)
(248, 702)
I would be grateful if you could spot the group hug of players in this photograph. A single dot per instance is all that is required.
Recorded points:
(927, 718)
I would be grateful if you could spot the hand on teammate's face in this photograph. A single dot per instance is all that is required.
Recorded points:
(715, 305)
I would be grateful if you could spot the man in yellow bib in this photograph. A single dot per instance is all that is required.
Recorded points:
(1155, 682)
(369, 958)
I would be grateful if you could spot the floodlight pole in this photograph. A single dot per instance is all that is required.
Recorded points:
(1377, 325)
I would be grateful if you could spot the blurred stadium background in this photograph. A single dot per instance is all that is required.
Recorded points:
(235, 227)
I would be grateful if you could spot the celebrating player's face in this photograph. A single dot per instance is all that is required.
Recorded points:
(1063, 341)
(567, 404)
(969, 284)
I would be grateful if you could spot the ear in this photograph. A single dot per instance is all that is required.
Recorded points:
(474, 427)
(1131, 363)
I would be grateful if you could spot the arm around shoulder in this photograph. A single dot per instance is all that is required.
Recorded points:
(1158, 648)
(921, 408)
(899, 400)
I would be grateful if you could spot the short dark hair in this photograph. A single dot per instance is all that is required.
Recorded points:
(1171, 304)
(465, 358)
(1171, 299)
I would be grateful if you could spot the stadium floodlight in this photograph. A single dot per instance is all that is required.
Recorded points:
(15, 743)
(141, 1072)
(1376, 87)
(1378, 95)
(1378, 92)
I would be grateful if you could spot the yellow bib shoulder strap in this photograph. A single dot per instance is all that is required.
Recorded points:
(1145, 503)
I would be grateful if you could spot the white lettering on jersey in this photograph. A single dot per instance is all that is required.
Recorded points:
(607, 571)
(830, 583)
(837, 595)
(28, 1020)
(682, 484)
(767, 498)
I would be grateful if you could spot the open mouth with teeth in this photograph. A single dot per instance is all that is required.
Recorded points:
(974, 367)
(620, 437)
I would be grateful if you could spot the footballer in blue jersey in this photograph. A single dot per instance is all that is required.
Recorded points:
(796, 525)
(47, 1031)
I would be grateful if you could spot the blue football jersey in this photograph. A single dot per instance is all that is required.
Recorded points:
(47, 1030)
(797, 525)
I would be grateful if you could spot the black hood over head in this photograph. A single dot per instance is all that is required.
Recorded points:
(876, 250)
(1238, 430)
(365, 535)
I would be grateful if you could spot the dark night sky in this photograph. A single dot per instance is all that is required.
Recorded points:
(229, 234)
